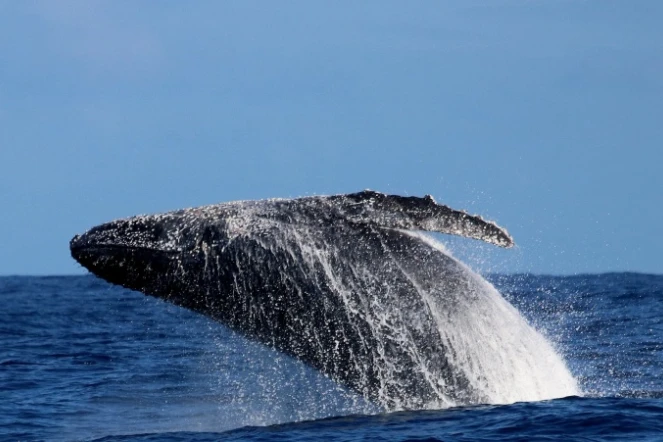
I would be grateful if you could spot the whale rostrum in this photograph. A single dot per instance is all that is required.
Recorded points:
(343, 283)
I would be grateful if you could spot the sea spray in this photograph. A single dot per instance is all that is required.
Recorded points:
(498, 356)
(501, 354)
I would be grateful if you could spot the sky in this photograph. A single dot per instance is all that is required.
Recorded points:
(545, 116)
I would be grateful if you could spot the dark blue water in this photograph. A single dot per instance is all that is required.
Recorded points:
(82, 360)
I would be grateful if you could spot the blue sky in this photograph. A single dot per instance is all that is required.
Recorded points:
(544, 116)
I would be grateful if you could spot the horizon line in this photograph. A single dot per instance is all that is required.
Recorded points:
(518, 273)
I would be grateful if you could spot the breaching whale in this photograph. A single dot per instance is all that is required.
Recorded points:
(347, 285)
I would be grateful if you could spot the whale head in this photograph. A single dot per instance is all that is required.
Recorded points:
(133, 252)
(153, 254)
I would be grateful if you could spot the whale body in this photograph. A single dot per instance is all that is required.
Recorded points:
(345, 284)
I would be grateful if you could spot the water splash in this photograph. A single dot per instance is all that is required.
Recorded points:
(501, 354)
(490, 353)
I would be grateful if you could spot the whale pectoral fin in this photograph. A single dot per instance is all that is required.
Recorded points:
(416, 213)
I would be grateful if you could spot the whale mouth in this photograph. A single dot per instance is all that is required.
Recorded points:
(88, 247)
(80, 245)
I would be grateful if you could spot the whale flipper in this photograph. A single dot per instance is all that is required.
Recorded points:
(416, 213)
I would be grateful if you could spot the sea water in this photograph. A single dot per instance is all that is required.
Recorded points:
(83, 360)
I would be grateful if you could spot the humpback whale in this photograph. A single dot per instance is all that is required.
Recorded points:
(346, 284)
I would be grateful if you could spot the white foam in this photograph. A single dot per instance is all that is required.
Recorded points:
(500, 353)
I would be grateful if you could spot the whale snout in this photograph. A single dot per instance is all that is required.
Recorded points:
(140, 232)
(78, 247)
(131, 252)
(96, 247)
(76, 242)
(121, 239)
(85, 242)
(82, 247)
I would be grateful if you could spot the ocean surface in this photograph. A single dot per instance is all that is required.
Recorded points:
(83, 360)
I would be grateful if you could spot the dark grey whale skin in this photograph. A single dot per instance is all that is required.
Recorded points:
(335, 281)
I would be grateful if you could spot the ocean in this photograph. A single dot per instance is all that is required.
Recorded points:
(83, 360)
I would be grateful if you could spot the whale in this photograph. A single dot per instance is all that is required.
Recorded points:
(348, 285)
